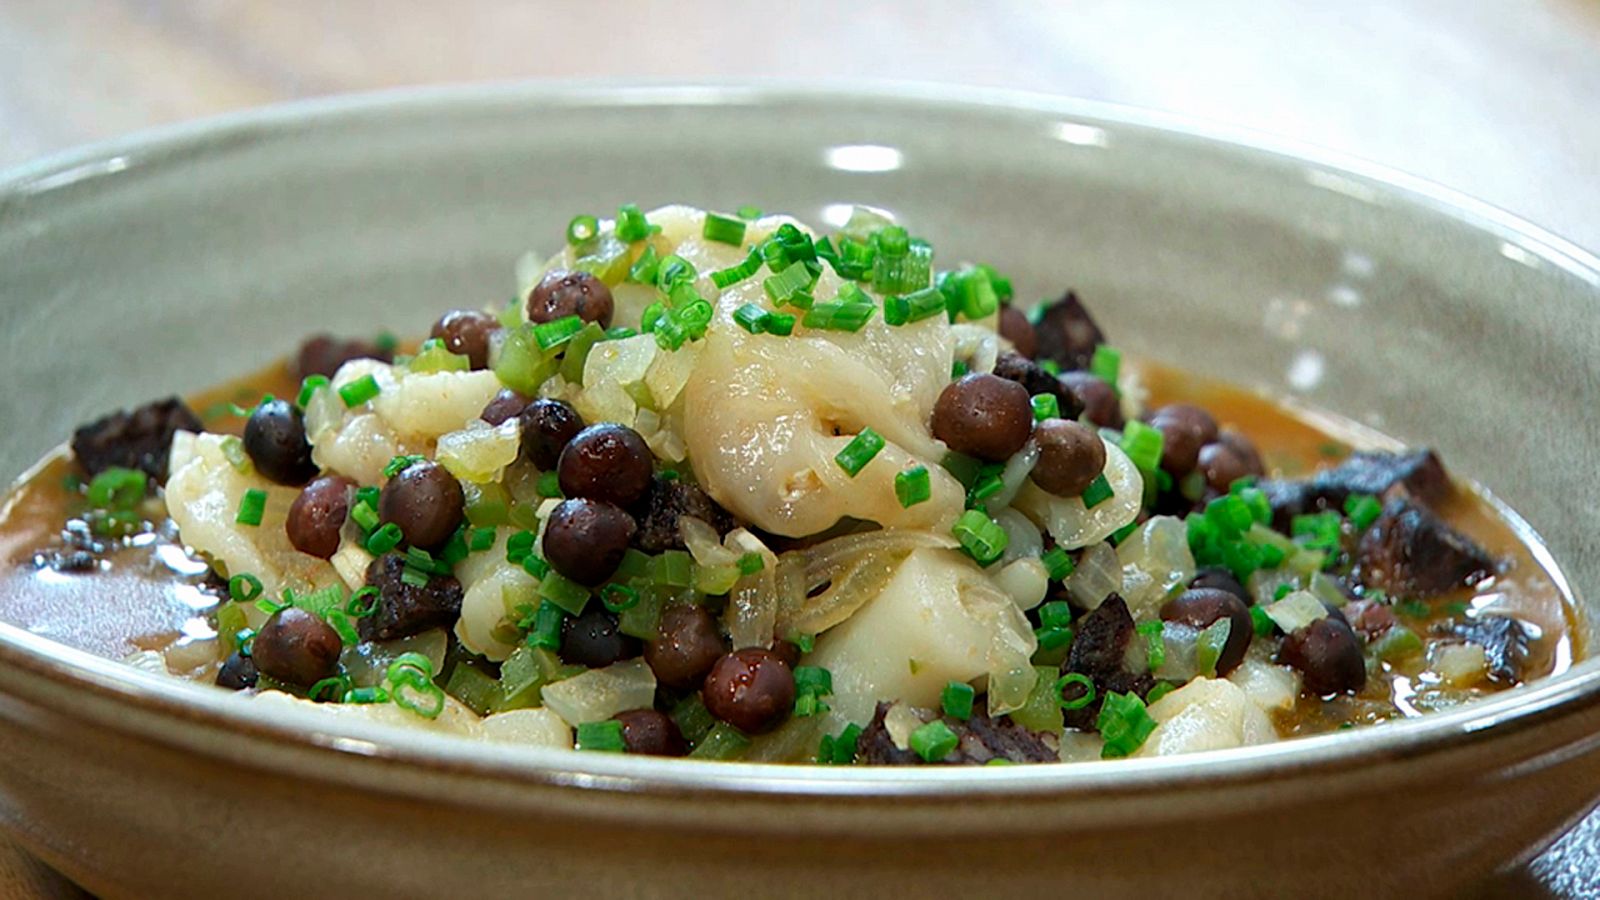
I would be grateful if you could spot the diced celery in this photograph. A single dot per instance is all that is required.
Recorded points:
(714, 580)
(643, 619)
(634, 565)
(564, 592)
(474, 687)
(672, 568)
(1042, 712)
(724, 742)
(609, 262)
(521, 365)
(524, 675)
(438, 359)
(578, 352)
(693, 719)
(230, 621)
(1395, 644)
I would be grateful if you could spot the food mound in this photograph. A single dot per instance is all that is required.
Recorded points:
(715, 486)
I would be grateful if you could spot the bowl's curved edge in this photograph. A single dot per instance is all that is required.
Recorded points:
(170, 700)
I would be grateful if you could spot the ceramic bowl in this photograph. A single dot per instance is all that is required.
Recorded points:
(178, 258)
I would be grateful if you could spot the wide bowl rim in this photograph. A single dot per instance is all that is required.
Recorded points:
(172, 703)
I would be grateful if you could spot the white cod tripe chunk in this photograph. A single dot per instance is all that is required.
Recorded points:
(767, 415)
(1206, 714)
(939, 619)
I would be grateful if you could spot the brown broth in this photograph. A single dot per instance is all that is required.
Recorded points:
(152, 596)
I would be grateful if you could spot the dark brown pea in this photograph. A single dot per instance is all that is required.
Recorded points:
(561, 293)
(467, 332)
(1071, 457)
(1222, 580)
(275, 439)
(1015, 327)
(1328, 655)
(1201, 607)
(606, 462)
(585, 539)
(594, 639)
(296, 647)
(426, 501)
(651, 732)
(1184, 430)
(505, 406)
(317, 516)
(983, 415)
(323, 354)
(688, 646)
(238, 672)
(1098, 399)
(1244, 450)
(750, 689)
(787, 651)
(548, 426)
(1221, 466)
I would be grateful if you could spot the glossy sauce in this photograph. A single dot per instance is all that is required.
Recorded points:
(152, 595)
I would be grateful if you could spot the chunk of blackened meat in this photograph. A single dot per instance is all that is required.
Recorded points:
(1067, 334)
(403, 609)
(1026, 372)
(664, 503)
(980, 739)
(1416, 474)
(1504, 641)
(1410, 552)
(135, 439)
(1370, 618)
(1100, 652)
(323, 354)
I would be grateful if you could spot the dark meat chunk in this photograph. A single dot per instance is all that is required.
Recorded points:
(1067, 334)
(323, 354)
(1369, 618)
(666, 501)
(1416, 474)
(1026, 372)
(981, 739)
(1100, 652)
(135, 439)
(1410, 552)
(1505, 644)
(403, 609)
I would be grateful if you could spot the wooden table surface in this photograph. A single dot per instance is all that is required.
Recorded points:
(1498, 98)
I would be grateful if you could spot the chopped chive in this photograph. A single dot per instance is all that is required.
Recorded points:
(751, 563)
(780, 324)
(117, 488)
(364, 515)
(1058, 563)
(1124, 724)
(557, 332)
(957, 369)
(724, 278)
(582, 229)
(1106, 364)
(251, 506)
(386, 538)
(548, 485)
(619, 597)
(1055, 614)
(631, 224)
(545, 630)
(535, 566)
(912, 486)
(1363, 510)
(619, 332)
(1046, 406)
(359, 391)
(1155, 647)
(673, 271)
(860, 451)
(604, 737)
(1260, 621)
(749, 212)
(363, 602)
(723, 229)
(1143, 445)
(781, 287)
(957, 700)
(835, 316)
(1097, 492)
(414, 577)
(244, 587)
(401, 463)
(480, 539)
(988, 484)
(934, 741)
(1052, 637)
(751, 318)
(1083, 699)
(982, 538)
(308, 386)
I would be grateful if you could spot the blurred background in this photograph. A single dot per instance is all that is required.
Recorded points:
(1497, 98)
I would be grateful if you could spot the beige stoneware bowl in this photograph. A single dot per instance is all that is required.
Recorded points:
(175, 259)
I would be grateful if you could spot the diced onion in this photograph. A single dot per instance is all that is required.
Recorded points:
(1155, 559)
(599, 694)
(528, 727)
(480, 453)
(1460, 665)
(1025, 581)
(1099, 574)
(1013, 477)
(1296, 610)
(845, 573)
(1022, 536)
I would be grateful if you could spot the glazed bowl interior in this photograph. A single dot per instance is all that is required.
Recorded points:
(172, 261)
